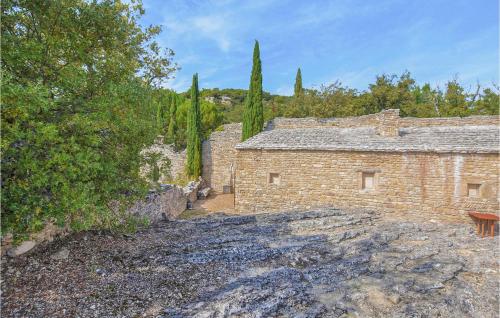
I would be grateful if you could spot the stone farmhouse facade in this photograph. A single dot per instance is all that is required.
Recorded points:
(433, 168)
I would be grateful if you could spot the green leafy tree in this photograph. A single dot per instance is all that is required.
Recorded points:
(298, 84)
(489, 103)
(389, 92)
(455, 103)
(211, 118)
(253, 115)
(193, 164)
(77, 108)
(426, 102)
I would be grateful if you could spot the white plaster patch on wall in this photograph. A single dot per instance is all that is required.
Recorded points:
(457, 169)
(442, 167)
(405, 161)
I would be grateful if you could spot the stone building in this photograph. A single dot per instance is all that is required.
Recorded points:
(435, 168)
(219, 154)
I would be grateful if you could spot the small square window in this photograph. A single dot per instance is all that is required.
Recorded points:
(274, 178)
(368, 181)
(473, 190)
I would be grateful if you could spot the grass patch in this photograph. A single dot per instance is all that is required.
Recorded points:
(191, 214)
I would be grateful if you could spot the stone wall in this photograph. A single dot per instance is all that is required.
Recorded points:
(219, 157)
(421, 185)
(449, 121)
(373, 120)
(177, 160)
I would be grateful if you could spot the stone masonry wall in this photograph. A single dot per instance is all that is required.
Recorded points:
(373, 120)
(219, 156)
(417, 185)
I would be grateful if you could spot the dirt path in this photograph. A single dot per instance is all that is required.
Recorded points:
(216, 203)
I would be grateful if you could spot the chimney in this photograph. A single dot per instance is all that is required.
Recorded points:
(388, 123)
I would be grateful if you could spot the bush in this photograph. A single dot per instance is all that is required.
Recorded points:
(75, 112)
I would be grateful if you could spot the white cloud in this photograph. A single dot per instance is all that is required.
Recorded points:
(179, 84)
(216, 28)
(286, 90)
(213, 27)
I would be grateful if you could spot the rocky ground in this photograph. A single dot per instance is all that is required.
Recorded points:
(326, 263)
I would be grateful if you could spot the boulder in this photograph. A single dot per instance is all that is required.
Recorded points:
(191, 190)
(203, 193)
(21, 249)
(166, 203)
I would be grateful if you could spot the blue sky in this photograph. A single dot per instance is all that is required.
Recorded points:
(350, 41)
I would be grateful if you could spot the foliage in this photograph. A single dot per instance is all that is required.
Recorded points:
(172, 126)
(211, 118)
(388, 91)
(77, 108)
(253, 114)
(488, 102)
(157, 166)
(392, 91)
(193, 164)
(298, 84)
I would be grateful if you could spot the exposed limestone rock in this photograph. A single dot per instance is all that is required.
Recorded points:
(191, 190)
(321, 263)
(166, 203)
(21, 249)
(61, 254)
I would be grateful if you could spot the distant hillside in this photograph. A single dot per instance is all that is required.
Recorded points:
(388, 91)
(230, 102)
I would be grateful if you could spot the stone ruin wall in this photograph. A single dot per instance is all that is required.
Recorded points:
(412, 185)
(219, 155)
(177, 160)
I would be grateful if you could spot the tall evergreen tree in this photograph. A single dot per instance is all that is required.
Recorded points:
(298, 84)
(253, 115)
(193, 165)
(172, 125)
(159, 116)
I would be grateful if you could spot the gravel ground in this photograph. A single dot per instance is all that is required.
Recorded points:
(324, 263)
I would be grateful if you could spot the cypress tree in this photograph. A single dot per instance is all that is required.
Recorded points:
(193, 165)
(298, 84)
(159, 116)
(172, 125)
(253, 115)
